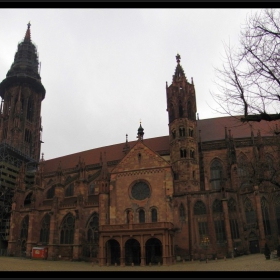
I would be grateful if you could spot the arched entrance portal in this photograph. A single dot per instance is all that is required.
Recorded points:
(113, 251)
(132, 252)
(153, 251)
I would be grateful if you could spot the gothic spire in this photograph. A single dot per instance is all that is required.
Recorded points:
(179, 71)
(27, 37)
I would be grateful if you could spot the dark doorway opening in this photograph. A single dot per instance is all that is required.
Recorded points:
(113, 252)
(254, 246)
(132, 252)
(153, 251)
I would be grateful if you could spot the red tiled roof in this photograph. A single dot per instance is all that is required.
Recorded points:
(214, 129)
(211, 129)
(113, 152)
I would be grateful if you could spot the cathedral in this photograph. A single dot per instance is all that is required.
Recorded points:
(209, 189)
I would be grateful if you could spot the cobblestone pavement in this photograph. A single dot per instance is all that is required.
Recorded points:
(256, 262)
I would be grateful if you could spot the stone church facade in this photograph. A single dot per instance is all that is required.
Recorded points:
(189, 195)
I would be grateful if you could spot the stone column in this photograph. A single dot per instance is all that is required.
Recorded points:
(122, 249)
(51, 246)
(227, 226)
(143, 259)
(31, 232)
(259, 216)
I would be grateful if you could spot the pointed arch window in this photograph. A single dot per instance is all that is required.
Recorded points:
(182, 213)
(269, 167)
(70, 190)
(201, 219)
(24, 228)
(217, 206)
(154, 215)
(92, 229)
(141, 216)
(91, 188)
(183, 153)
(45, 229)
(171, 113)
(249, 212)
(181, 112)
(93, 236)
(51, 192)
(27, 200)
(189, 110)
(243, 166)
(67, 230)
(233, 219)
(182, 131)
(216, 173)
(30, 108)
(265, 216)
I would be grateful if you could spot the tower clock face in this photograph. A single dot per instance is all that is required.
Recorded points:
(140, 191)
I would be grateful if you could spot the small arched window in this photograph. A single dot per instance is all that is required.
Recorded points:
(154, 215)
(30, 109)
(183, 153)
(141, 216)
(70, 190)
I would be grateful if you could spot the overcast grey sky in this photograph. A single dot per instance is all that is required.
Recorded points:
(105, 69)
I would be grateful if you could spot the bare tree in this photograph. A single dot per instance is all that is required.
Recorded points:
(249, 80)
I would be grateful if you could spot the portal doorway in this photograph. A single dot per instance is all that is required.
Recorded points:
(132, 252)
(153, 251)
(254, 247)
(113, 251)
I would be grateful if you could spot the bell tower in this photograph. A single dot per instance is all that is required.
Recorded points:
(22, 93)
(181, 107)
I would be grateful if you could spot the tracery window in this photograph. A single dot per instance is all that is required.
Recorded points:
(45, 229)
(24, 228)
(199, 208)
(70, 190)
(171, 113)
(140, 190)
(249, 212)
(67, 230)
(217, 206)
(216, 172)
(265, 216)
(92, 236)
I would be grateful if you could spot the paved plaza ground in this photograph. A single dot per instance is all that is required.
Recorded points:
(255, 262)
